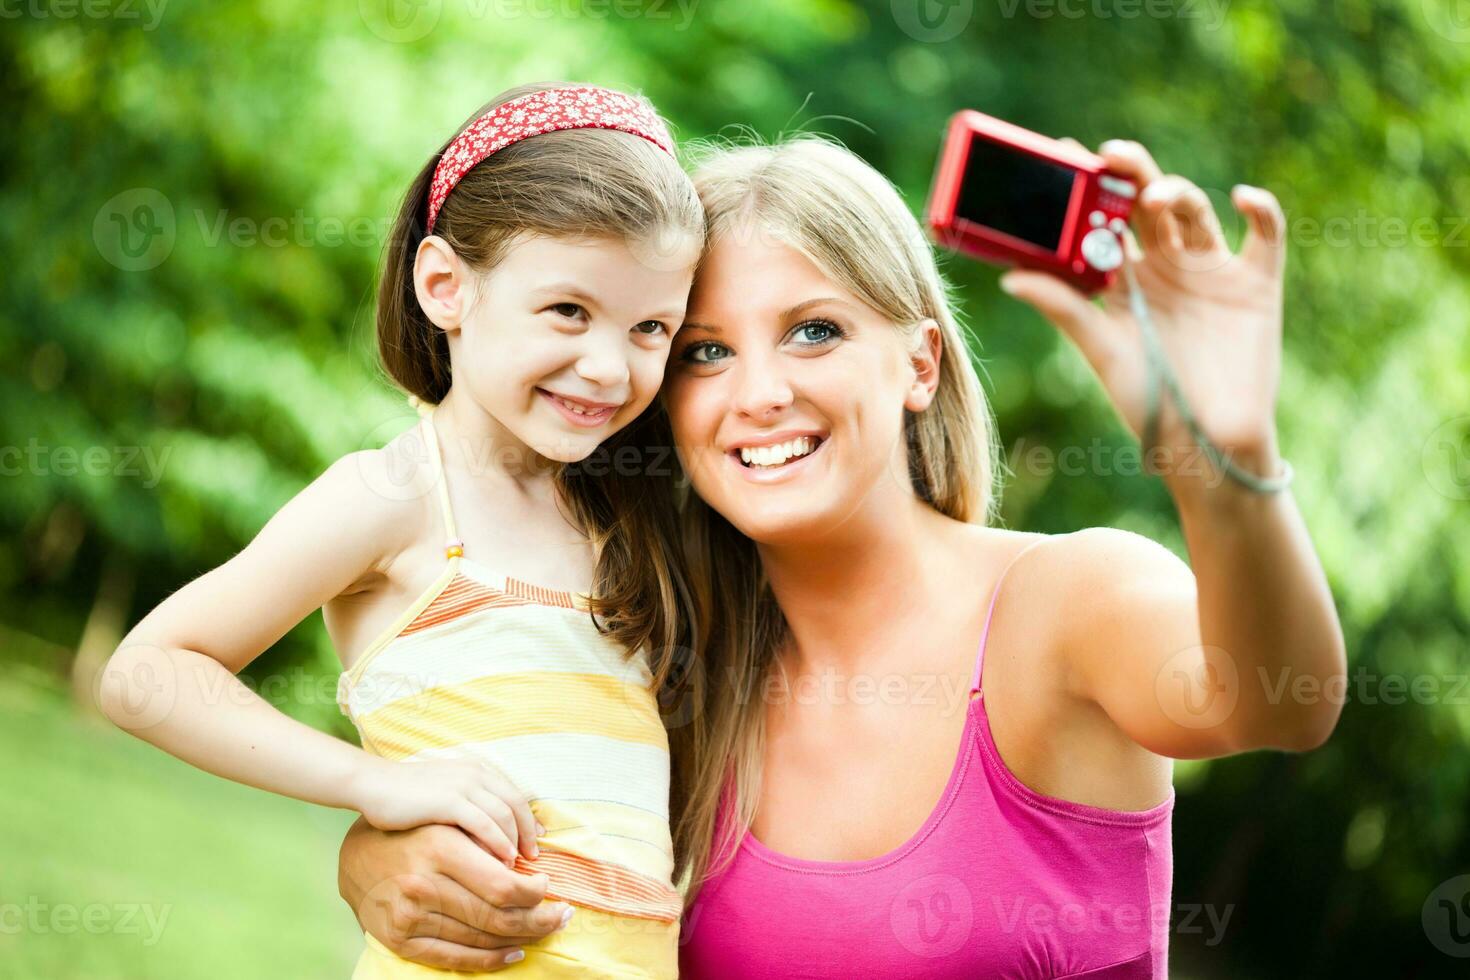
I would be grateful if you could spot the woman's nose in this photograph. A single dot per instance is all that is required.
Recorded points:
(761, 391)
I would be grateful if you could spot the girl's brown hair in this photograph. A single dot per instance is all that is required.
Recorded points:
(572, 184)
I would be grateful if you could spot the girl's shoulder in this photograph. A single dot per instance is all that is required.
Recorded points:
(382, 497)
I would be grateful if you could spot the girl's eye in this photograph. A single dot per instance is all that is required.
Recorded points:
(651, 327)
(569, 310)
(814, 333)
(706, 352)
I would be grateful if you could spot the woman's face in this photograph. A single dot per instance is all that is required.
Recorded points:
(787, 394)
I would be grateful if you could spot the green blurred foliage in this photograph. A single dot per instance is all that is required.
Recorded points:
(193, 205)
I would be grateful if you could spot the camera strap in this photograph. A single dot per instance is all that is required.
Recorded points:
(1161, 374)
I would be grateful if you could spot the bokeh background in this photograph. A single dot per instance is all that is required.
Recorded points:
(193, 198)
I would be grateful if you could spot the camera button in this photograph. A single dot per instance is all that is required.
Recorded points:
(1102, 250)
(1118, 225)
(1097, 219)
(1120, 187)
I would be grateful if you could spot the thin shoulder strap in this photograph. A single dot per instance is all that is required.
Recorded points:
(453, 547)
(990, 614)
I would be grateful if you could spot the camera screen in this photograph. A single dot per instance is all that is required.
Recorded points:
(1015, 193)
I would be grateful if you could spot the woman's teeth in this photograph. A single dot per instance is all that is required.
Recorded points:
(779, 454)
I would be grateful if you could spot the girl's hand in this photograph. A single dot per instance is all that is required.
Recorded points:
(475, 797)
(1218, 316)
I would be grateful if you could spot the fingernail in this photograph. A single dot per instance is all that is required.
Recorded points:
(565, 918)
(1110, 145)
(516, 957)
(1008, 284)
(540, 831)
(535, 851)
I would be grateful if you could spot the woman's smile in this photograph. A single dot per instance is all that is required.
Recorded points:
(776, 458)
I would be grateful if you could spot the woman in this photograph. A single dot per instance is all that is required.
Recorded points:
(849, 802)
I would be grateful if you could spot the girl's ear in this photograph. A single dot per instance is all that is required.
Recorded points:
(925, 362)
(439, 282)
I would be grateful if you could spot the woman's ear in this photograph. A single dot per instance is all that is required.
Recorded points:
(439, 282)
(925, 359)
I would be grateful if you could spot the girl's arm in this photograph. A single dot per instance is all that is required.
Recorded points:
(172, 680)
(1245, 651)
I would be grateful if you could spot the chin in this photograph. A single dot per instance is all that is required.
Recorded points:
(569, 451)
(559, 446)
(785, 524)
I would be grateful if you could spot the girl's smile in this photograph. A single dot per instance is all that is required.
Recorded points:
(580, 411)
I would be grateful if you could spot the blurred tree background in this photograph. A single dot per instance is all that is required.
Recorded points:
(194, 198)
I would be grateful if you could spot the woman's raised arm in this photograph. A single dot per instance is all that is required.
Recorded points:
(1245, 650)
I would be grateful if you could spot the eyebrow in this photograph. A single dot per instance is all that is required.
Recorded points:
(566, 289)
(786, 314)
(801, 307)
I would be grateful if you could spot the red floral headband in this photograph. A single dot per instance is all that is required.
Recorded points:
(580, 107)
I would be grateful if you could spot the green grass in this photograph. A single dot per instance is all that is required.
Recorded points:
(118, 861)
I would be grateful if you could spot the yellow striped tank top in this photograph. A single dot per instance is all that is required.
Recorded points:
(490, 668)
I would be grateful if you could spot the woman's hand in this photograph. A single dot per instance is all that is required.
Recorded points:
(1218, 316)
(470, 795)
(433, 896)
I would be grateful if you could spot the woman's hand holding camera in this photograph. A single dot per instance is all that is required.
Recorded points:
(1218, 315)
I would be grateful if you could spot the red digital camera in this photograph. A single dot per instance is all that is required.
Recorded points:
(1013, 197)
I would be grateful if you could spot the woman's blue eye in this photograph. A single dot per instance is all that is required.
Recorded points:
(816, 332)
(706, 352)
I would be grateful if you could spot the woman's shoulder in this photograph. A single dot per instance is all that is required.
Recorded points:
(1084, 577)
(1107, 560)
(1090, 557)
(1073, 603)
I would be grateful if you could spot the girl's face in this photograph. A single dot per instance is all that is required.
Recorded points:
(563, 342)
(787, 394)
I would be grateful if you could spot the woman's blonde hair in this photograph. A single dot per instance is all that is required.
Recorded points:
(825, 202)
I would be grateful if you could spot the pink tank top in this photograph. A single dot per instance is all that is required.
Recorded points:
(1000, 881)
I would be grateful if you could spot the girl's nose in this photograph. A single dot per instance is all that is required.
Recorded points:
(604, 364)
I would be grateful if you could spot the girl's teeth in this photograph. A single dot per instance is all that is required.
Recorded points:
(577, 409)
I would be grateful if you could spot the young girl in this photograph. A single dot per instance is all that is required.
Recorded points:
(536, 274)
